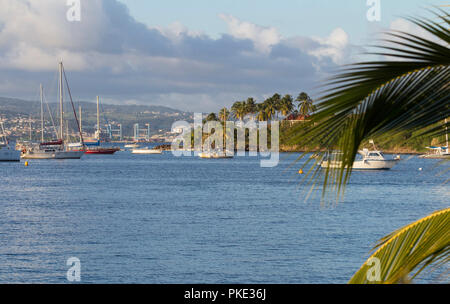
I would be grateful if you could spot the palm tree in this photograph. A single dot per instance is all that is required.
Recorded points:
(276, 99)
(238, 108)
(250, 106)
(224, 114)
(305, 105)
(261, 112)
(211, 117)
(408, 91)
(269, 107)
(287, 105)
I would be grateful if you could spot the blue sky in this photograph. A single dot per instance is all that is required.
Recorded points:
(290, 17)
(195, 55)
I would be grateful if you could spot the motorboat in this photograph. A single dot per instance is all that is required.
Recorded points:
(146, 150)
(368, 160)
(7, 152)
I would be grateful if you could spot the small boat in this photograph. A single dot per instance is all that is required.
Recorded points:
(215, 154)
(93, 149)
(438, 152)
(101, 150)
(146, 151)
(370, 160)
(7, 153)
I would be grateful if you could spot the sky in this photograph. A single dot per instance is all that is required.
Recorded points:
(193, 55)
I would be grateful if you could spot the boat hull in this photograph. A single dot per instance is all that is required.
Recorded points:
(144, 151)
(102, 151)
(9, 156)
(53, 155)
(364, 164)
(434, 156)
(214, 155)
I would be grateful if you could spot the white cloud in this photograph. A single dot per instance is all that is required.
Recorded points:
(335, 46)
(263, 37)
(111, 54)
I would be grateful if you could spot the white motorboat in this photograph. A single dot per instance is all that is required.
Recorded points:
(7, 153)
(146, 151)
(55, 149)
(368, 160)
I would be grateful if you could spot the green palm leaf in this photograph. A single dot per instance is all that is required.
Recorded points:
(407, 91)
(403, 254)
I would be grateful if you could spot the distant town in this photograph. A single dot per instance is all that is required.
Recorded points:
(118, 123)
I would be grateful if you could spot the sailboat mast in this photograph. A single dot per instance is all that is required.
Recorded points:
(31, 137)
(61, 109)
(81, 126)
(446, 133)
(98, 118)
(42, 113)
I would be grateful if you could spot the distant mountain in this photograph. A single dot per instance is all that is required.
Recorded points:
(159, 117)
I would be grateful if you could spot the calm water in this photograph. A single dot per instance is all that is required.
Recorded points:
(160, 219)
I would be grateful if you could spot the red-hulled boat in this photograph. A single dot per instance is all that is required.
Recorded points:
(98, 150)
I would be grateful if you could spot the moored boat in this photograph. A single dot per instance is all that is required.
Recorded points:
(369, 160)
(146, 151)
(7, 153)
(55, 149)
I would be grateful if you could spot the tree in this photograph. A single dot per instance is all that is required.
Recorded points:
(239, 110)
(211, 117)
(276, 99)
(269, 107)
(224, 114)
(261, 112)
(408, 91)
(305, 105)
(287, 105)
(250, 106)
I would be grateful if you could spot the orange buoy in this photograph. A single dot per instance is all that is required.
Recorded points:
(300, 171)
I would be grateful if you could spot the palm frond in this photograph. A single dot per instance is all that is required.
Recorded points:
(404, 254)
(407, 91)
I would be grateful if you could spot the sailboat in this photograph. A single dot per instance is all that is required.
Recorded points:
(94, 148)
(439, 152)
(57, 149)
(7, 153)
(217, 153)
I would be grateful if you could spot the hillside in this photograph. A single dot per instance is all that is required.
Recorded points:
(159, 117)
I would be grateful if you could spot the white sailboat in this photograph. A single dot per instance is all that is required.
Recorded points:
(54, 149)
(370, 160)
(7, 153)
